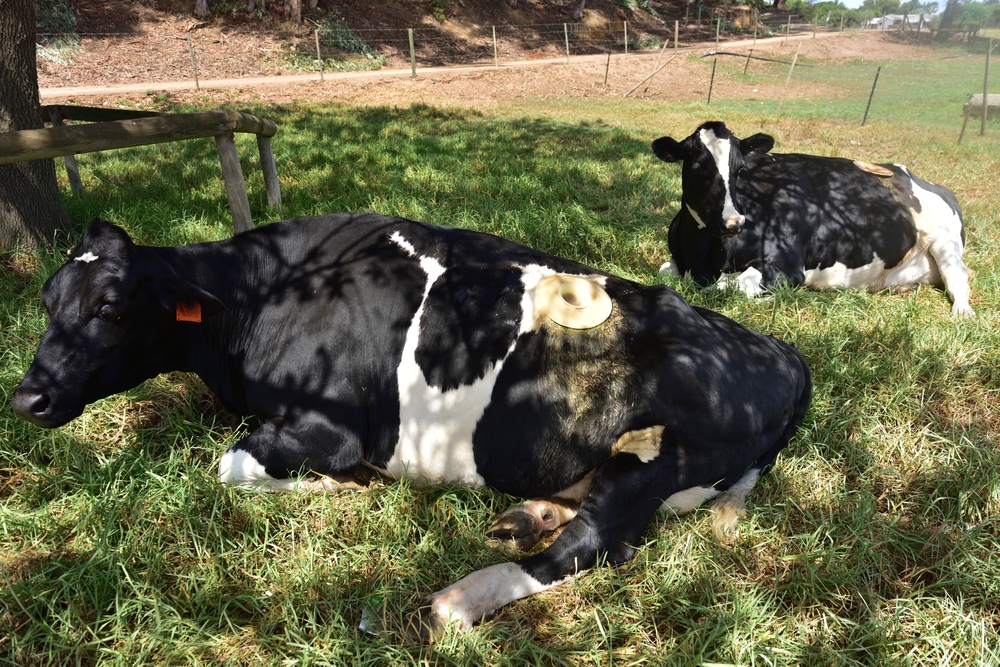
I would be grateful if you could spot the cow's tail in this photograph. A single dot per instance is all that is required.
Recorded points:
(731, 506)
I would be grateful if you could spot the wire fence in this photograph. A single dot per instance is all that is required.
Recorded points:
(70, 59)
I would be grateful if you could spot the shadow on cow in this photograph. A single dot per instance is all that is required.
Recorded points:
(823, 222)
(429, 353)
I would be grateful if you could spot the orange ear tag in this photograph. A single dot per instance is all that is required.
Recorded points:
(188, 311)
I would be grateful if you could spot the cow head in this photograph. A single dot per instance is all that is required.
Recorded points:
(111, 325)
(713, 158)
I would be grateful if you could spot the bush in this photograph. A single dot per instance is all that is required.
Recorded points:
(54, 16)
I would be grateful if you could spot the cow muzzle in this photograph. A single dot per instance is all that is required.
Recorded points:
(33, 406)
(733, 225)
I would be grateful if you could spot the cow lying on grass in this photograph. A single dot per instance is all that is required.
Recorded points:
(816, 221)
(438, 354)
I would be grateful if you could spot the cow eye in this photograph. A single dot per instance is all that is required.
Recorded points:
(108, 312)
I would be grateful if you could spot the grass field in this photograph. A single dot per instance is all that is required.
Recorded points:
(875, 540)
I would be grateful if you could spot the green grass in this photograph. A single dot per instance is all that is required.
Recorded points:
(875, 540)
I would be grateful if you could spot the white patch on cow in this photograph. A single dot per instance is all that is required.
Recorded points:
(578, 491)
(688, 500)
(398, 239)
(238, 467)
(720, 149)
(694, 214)
(669, 268)
(748, 282)
(436, 426)
(939, 233)
(731, 505)
(86, 257)
(870, 276)
(478, 595)
(643, 443)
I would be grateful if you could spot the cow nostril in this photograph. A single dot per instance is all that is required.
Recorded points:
(29, 404)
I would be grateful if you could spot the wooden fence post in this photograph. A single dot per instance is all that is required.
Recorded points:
(677, 29)
(607, 68)
(496, 57)
(625, 24)
(72, 170)
(270, 170)
(236, 189)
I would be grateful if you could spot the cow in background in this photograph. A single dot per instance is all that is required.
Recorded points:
(822, 222)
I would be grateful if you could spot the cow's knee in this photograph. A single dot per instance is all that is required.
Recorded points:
(302, 452)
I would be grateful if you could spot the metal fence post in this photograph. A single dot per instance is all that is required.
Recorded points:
(625, 23)
(870, 96)
(319, 56)
(413, 55)
(566, 32)
(496, 58)
(193, 65)
(711, 82)
(986, 89)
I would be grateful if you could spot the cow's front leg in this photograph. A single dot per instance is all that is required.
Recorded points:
(623, 497)
(302, 451)
(525, 524)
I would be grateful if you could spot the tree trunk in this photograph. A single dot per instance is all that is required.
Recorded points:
(948, 16)
(30, 208)
(201, 8)
(296, 11)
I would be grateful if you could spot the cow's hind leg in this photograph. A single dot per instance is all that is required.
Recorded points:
(623, 496)
(729, 507)
(947, 252)
(303, 451)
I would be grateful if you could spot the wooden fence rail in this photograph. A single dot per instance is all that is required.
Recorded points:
(123, 129)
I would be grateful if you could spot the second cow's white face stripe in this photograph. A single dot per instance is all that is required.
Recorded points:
(720, 149)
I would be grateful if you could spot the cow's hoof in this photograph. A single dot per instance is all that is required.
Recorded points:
(518, 524)
(962, 310)
(426, 625)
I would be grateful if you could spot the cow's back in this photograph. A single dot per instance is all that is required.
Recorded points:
(824, 210)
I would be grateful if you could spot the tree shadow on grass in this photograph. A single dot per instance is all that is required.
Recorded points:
(573, 190)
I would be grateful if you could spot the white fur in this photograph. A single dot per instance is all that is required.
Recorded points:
(871, 276)
(481, 593)
(669, 268)
(720, 149)
(694, 214)
(86, 258)
(436, 426)
(939, 232)
(688, 500)
(238, 467)
(748, 282)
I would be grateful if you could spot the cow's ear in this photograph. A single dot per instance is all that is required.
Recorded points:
(758, 143)
(180, 296)
(668, 150)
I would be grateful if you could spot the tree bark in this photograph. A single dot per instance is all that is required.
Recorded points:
(201, 8)
(31, 211)
(948, 16)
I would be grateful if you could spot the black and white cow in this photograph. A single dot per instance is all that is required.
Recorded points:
(822, 222)
(438, 354)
